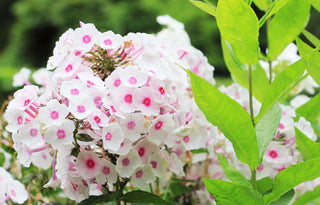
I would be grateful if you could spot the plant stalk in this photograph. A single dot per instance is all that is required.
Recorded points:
(250, 94)
(254, 179)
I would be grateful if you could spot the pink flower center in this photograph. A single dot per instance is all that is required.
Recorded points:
(117, 82)
(107, 42)
(281, 126)
(125, 162)
(186, 139)
(260, 167)
(90, 83)
(273, 154)
(33, 132)
(132, 80)
(26, 102)
(74, 91)
(61, 134)
(139, 174)
(141, 151)
(74, 186)
(69, 68)
(81, 109)
(91, 163)
(158, 125)
(19, 119)
(162, 91)
(108, 136)
(86, 39)
(154, 164)
(131, 125)
(13, 193)
(97, 119)
(106, 170)
(147, 102)
(97, 99)
(128, 98)
(54, 115)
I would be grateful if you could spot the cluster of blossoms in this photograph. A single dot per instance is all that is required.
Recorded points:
(11, 189)
(110, 108)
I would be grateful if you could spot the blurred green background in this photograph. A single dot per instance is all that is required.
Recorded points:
(30, 28)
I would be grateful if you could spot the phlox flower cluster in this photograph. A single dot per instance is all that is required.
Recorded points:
(11, 189)
(110, 110)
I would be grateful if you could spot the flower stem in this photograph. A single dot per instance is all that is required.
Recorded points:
(254, 179)
(250, 93)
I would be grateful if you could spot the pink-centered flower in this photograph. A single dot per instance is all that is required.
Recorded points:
(88, 164)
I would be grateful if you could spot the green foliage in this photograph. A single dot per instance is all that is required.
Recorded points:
(267, 127)
(308, 148)
(260, 81)
(284, 199)
(236, 126)
(264, 185)
(233, 174)
(286, 24)
(309, 196)
(315, 4)
(233, 16)
(228, 193)
(291, 177)
(281, 85)
(143, 197)
(97, 199)
(208, 8)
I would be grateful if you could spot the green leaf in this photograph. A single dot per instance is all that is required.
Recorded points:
(229, 193)
(304, 49)
(282, 84)
(84, 137)
(312, 38)
(199, 151)
(264, 185)
(139, 196)
(308, 148)
(315, 4)
(262, 4)
(284, 199)
(260, 82)
(97, 199)
(229, 117)
(276, 5)
(313, 68)
(286, 25)
(178, 189)
(208, 8)
(233, 174)
(7, 148)
(233, 18)
(267, 127)
(235, 58)
(2, 159)
(309, 196)
(292, 176)
(310, 110)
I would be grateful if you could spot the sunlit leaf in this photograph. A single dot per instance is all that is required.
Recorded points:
(282, 84)
(260, 82)
(308, 148)
(225, 192)
(232, 119)
(286, 25)
(308, 197)
(292, 176)
(315, 4)
(208, 8)
(238, 25)
(267, 127)
(232, 173)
